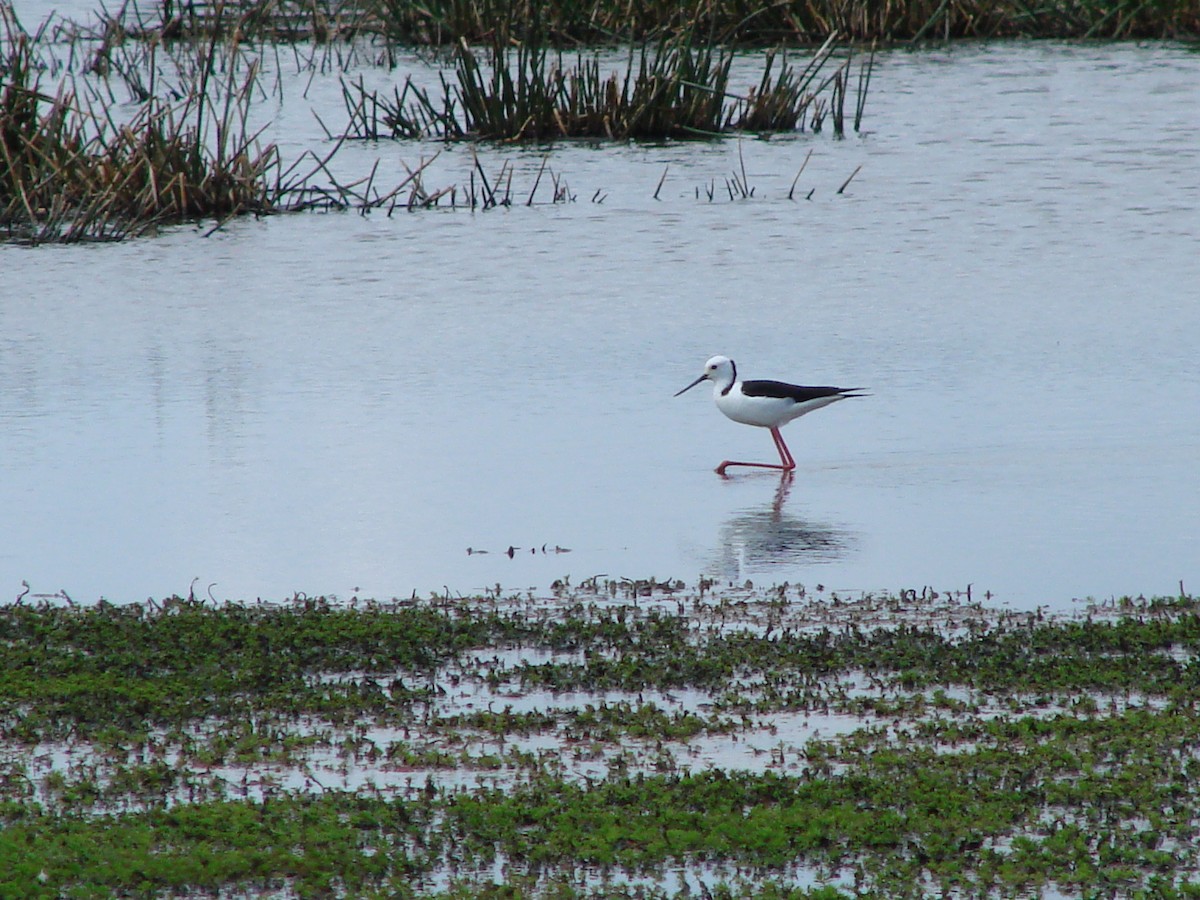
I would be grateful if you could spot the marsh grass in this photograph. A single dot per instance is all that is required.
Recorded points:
(570, 22)
(80, 162)
(669, 89)
(275, 21)
(71, 172)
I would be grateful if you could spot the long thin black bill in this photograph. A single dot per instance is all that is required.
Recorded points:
(692, 385)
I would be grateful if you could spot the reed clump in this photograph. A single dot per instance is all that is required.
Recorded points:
(570, 22)
(70, 172)
(674, 88)
(274, 21)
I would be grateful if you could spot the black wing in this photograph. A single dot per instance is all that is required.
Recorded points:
(798, 392)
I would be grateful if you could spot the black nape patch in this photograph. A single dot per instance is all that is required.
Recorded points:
(729, 387)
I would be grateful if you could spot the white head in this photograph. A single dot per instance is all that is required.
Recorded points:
(720, 370)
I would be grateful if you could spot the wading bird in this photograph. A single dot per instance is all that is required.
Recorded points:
(767, 404)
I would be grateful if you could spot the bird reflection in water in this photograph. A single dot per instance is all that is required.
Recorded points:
(758, 539)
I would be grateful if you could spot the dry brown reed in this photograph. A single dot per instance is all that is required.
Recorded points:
(69, 171)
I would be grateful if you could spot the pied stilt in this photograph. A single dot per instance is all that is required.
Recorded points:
(767, 404)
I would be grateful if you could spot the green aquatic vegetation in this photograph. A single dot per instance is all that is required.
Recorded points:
(1093, 655)
(602, 721)
(502, 723)
(1083, 804)
(645, 720)
(110, 671)
(995, 755)
(311, 841)
(126, 666)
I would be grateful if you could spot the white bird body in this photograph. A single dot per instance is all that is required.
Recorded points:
(765, 411)
(765, 404)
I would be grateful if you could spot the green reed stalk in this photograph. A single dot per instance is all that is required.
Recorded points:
(670, 89)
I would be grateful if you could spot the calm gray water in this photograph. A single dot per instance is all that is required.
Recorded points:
(332, 403)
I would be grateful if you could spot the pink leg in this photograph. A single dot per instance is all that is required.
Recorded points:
(785, 457)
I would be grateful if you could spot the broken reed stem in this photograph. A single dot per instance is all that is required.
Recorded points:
(792, 190)
(538, 180)
(924, 29)
(487, 194)
(864, 82)
(848, 180)
(508, 187)
(661, 181)
(367, 191)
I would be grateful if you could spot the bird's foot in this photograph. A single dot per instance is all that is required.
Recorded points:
(720, 470)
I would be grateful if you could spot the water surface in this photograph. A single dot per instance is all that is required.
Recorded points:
(336, 403)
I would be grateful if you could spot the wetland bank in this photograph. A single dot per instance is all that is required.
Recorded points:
(454, 344)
